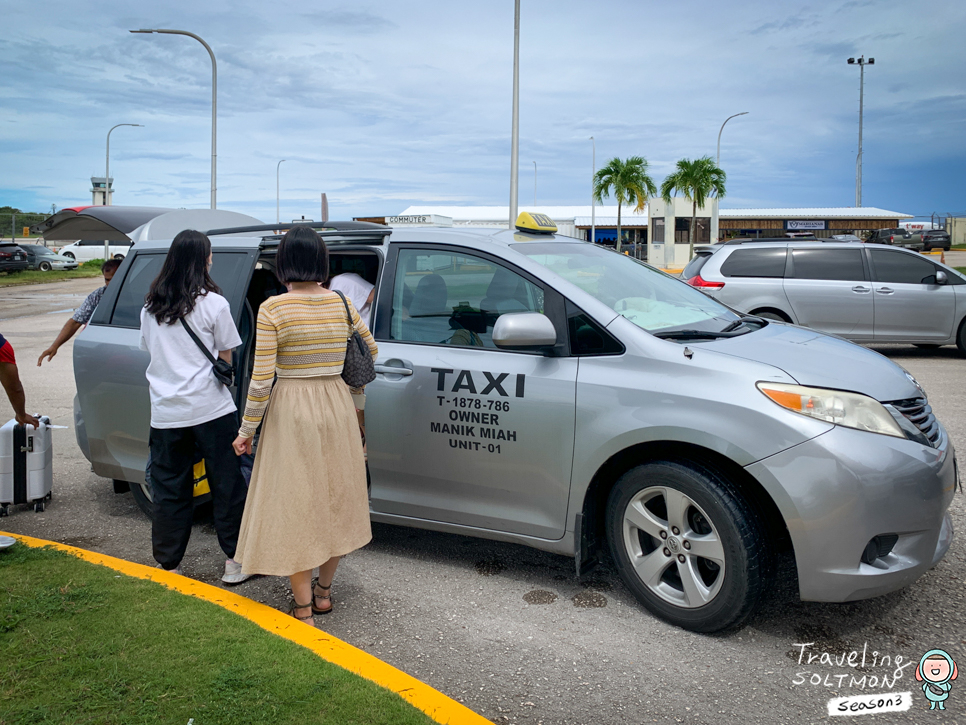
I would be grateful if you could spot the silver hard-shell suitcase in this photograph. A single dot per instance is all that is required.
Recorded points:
(26, 465)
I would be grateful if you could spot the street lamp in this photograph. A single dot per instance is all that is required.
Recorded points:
(214, 104)
(862, 63)
(107, 178)
(515, 132)
(276, 191)
(593, 207)
(717, 161)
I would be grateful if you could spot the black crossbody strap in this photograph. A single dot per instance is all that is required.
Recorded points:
(199, 343)
(347, 313)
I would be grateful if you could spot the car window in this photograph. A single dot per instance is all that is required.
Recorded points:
(828, 264)
(650, 299)
(899, 268)
(228, 270)
(755, 263)
(693, 268)
(587, 337)
(449, 298)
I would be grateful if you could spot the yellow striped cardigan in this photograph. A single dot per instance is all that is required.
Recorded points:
(299, 336)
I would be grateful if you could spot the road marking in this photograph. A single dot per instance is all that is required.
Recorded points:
(434, 703)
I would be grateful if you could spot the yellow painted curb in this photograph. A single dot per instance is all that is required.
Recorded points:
(438, 706)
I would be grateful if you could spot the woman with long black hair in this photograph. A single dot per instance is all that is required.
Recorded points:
(190, 408)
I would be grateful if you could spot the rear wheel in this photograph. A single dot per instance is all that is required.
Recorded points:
(687, 545)
(772, 315)
(142, 497)
(961, 337)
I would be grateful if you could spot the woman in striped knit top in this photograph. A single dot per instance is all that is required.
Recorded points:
(307, 502)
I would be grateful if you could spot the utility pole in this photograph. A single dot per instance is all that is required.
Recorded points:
(862, 63)
(515, 133)
(593, 203)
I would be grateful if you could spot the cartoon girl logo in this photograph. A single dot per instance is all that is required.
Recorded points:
(936, 671)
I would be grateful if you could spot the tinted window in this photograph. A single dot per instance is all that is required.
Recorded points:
(455, 299)
(693, 268)
(755, 263)
(228, 270)
(587, 337)
(898, 268)
(832, 264)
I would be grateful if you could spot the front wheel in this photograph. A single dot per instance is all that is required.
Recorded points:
(687, 545)
(45, 266)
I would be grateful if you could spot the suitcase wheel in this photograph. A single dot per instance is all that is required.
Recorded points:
(39, 507)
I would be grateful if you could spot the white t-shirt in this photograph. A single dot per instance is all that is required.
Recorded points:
(184, 390)
(356, 289)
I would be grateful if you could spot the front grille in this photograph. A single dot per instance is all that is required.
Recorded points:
(920, 413)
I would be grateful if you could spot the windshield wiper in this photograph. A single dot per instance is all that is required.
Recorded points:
(695, 334)
(742, 320)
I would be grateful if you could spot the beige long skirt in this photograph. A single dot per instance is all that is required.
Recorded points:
(307, 500)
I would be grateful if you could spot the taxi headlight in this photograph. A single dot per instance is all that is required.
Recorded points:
(851, 410)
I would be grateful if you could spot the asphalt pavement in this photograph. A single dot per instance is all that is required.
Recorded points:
(512, 632)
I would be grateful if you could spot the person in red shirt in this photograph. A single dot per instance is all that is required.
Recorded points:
(10, 379)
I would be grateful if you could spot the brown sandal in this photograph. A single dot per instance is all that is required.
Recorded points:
(317, 610)
(309, 620)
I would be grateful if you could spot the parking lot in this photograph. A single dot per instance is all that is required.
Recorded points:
(511, 631)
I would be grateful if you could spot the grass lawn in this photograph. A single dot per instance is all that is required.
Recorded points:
(959, 247)
(960, 269)
(35, 276)
(83, 644)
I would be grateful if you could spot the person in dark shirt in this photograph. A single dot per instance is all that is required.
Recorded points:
(10, 379)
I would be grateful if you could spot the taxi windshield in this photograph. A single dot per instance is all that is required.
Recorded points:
(647, 297)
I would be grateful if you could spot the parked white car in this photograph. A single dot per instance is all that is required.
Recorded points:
(87, 249)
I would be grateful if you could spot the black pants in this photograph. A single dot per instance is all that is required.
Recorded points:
(172, 480)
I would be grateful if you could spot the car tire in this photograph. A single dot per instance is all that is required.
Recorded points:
(44, 266)
(142, 497)
(69, 255)
(660, 567)
(961, 337)
(776, 315)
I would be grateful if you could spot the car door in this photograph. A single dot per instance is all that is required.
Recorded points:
(109, 365)
(828, 290)
(909, 305)
(466, 433)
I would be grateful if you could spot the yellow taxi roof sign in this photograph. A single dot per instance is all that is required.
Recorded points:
(535, 223)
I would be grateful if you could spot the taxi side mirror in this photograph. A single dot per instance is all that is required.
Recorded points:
(524, 331)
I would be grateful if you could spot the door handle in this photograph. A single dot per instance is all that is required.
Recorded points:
(390, 370)
(885, 290)
(861, 289)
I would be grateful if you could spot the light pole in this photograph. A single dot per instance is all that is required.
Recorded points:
(214, 105)
(534, 183)
(717, 161)
(276, 191)
(593, 206)
(107, 179)
(515, 133)
(862, 63)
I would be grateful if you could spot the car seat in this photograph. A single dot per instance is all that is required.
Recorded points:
(428, 313)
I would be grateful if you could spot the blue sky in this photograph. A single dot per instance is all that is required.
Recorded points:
(387, 104)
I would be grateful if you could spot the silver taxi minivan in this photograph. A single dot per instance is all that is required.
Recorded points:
(537, 389)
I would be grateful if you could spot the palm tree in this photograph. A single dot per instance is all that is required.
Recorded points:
(628, 182)
(696, 181)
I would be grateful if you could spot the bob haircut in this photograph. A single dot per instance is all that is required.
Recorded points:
(183, 277)
(302, 257)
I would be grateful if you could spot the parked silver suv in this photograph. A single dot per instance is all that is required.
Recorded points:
(862, 292)
(537, 389)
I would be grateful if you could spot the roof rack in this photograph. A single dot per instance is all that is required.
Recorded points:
(326, 229)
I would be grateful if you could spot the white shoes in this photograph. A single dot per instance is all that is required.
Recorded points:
(233, 573)
(176, 570)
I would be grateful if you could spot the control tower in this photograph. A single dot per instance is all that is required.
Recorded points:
(102, 189)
